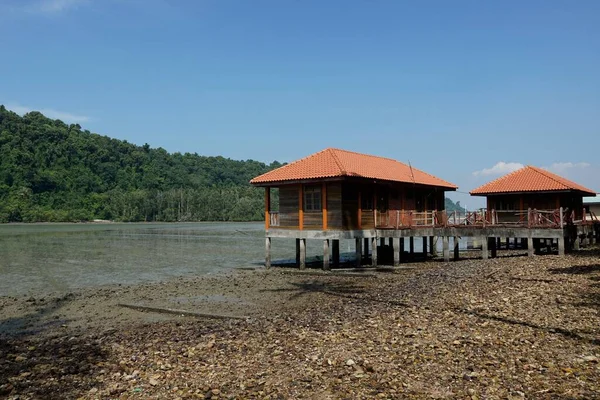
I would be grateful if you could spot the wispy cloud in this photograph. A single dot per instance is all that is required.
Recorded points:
(53, 6)
(562, 167)
(500, 168)
(50, 113)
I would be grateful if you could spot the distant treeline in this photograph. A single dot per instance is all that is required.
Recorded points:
(51, 171)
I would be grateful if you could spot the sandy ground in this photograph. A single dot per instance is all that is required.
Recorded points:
(511, 327)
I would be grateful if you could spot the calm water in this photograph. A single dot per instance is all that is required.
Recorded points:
(60, 257)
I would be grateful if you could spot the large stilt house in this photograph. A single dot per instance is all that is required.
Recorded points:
(336, 194)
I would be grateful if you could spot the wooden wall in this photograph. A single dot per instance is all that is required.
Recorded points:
(334, 205)
(288, 206)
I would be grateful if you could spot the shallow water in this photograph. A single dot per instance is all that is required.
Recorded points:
(38, 258)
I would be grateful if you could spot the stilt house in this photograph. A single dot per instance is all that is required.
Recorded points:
(336, 194)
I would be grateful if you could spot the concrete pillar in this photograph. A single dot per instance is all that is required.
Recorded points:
(456, 255)
(507, 243)
(297, 252)
(561, 246)
(302, 253)
(425, 246)
(268, 252)
(358, 250)
(494, 243)
(576, 244)
(326, 254)
(484, 248)
(374, 251)
(446, 246)
(396, 250)
(411, 243)
(530, 246)
(336, 252)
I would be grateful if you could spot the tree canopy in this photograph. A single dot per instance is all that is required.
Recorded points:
(52, 171)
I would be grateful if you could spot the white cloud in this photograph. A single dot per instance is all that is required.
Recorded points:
(500, 168)
(561, 167)
(50, 113)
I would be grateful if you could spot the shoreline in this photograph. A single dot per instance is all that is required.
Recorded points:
(499, 328)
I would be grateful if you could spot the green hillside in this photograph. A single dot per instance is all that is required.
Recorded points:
(51, 171)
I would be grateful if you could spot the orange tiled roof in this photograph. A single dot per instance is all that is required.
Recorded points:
(332, 163)
(530, 179)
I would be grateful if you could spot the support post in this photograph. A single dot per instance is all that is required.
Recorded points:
(561, 246)
(396, 251)
(326, 254)
(424, 246)
(433, 245)
(530, 245)
(456, 255)
(374, 251)
(411, 243)
(267, 208)
(446, 246)
(336, 252)
(302, 253)
(401, 247)
(484, 248)
(298, 253)
(358, 250)
(268, 252)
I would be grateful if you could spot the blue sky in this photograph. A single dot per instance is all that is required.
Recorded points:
(465, 90)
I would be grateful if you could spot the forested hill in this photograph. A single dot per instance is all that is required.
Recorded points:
(51, 171)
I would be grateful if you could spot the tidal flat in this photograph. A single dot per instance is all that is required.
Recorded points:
(510, 327)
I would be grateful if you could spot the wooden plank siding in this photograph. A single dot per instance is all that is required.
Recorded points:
(350, 199)
(334, 206)
(313, 219)
(288, 207)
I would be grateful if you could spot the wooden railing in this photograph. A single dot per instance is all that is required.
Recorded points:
(531, 218)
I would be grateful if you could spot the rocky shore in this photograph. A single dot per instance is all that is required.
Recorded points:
(511, 327)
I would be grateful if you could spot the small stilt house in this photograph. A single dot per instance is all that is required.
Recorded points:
(532, 188)
(336, 194)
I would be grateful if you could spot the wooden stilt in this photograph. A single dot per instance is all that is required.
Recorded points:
(484, 248)
(302, 253)
(396, 250)
(561, 246)
(336, 252)
(326, 254)
(374, 251)
(456, 255)
(494, 244)
(358, 251)
(446, 247)
(268, 252)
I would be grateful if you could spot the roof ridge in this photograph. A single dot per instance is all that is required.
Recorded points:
(337, 160)
(363, 154)
(552, 176)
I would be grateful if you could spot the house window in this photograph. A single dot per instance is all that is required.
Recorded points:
(312, 198)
